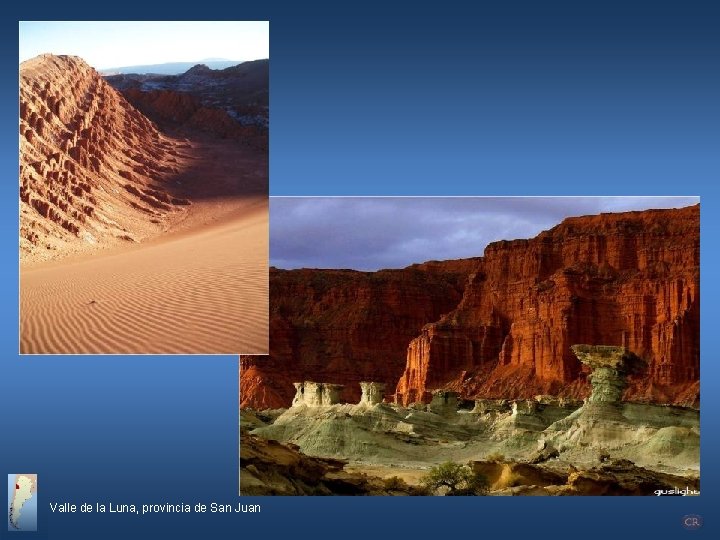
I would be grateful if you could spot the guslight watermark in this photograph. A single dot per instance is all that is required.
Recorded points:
(675, 491)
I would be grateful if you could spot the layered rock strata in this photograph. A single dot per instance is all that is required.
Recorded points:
(93, 169)
(629, 279)
(346, 327)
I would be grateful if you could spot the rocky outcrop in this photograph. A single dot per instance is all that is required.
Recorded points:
(502, 474)
(346, 327)
(314, 394)
(178, 110)
(372, 393)
(83, 178)
(608, 379)
(444, 402)
(483, 406)
(608, 371)
(229, 103)
(660, 437)
(628, 279)
(261, 386)
(271, 468)
(616, 477)
(606, 424)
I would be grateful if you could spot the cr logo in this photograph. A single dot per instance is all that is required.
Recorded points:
(692, 521)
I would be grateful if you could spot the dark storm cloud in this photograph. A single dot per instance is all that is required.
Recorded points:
(368, 233)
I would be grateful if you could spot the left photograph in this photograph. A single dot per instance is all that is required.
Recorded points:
(143, 187)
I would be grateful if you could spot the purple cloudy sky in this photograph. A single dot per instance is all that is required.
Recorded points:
(367, 233)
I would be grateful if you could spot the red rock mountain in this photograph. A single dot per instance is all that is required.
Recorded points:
(92, 168)
(501, 325)
(230, 103)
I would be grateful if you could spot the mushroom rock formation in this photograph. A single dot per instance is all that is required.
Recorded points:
(608, 377)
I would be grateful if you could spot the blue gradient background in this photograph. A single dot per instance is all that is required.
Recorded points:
(367, 98)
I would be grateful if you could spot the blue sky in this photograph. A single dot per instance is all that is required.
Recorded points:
(106, 45)
(367, 233)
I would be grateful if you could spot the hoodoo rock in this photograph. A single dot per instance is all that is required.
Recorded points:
(82, 179)
(372, 393)
(608, 380)
(314, 394)
(608, 373)
(500, 326)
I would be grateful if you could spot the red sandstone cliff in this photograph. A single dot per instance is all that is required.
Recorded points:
(346, 326)
(628, 279)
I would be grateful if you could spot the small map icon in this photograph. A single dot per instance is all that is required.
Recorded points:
(22, 502)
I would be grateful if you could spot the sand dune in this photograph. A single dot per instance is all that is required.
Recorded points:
(203, 290)
(132, 239)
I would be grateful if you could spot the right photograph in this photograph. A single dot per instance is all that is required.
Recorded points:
(477, 346)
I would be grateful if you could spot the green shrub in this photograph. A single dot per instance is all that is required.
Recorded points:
(452, 478)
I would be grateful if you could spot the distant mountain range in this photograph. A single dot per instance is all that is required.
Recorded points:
(170, 68)
(240, 85)
(240, 92)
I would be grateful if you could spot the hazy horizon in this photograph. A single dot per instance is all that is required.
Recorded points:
(109, 45)
(374, 233)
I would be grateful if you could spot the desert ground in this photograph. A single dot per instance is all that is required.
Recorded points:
(544, 446)
(199, 289)
(135, 239)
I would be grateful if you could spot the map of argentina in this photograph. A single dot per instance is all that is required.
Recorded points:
(22, 502)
